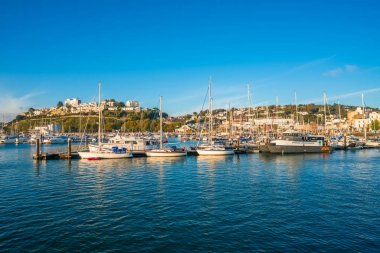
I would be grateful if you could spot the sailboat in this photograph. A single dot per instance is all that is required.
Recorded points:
(213, 148)
(101, 152)
(165, 152)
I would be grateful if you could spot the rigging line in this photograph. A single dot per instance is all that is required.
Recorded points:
(199, 118)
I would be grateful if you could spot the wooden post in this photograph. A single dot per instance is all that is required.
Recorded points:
(345, 141)
(37, 149)
(86, 141)
(69, 148)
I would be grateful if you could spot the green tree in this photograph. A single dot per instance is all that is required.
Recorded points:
(375, 125)
(20, 117)
(59, 104)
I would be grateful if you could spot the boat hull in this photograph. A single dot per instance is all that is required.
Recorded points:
(372, 144)
(215, 152)
(280, 149)
(104, 155)
(139, 153)
(264, 148)
(165, 154)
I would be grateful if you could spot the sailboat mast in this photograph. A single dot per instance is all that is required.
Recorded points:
(267, 122)
(226, 120)
(324, 108)
(364, 123)
(276, 116)
(295, 101)
(231, 120)
(340, 116)
(209, 110)
(211, 120)
(100, 119)
(250, 118)
(161, 137)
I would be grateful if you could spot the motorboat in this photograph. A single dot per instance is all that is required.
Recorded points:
(296, 142)
(137, 145)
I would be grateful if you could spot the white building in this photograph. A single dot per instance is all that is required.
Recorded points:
(37, 112)
(279, 122)
(132, 105)
(374, 116)
(88, 107)
(107, 103)
(359, 110)
(358, 124)
(73, 102)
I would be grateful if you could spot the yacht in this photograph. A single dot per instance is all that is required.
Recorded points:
(13, 139)
(56, 139)
(165, 152)
(372, 144)
(213, 148)
(8, 139)
(296, 142)
(20, 139)
(137, 145)
(104, 152)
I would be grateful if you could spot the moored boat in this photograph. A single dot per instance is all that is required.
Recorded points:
(8, 139)
(296, 142)
(165, 152)
(214, 150)
(101, 152)
(136, 145)
(114, 153)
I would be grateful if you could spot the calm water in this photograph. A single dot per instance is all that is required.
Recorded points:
(228, 204)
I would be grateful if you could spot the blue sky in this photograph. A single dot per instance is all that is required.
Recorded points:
(52, 50)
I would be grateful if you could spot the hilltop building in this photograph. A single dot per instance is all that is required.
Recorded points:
(132, 105)
(72, 102)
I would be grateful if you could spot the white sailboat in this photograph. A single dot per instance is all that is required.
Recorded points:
(165, 152)
(101, 152)
(213, 149)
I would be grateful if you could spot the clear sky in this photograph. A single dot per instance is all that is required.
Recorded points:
(52, 50)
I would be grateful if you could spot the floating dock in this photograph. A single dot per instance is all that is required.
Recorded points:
(55, 155)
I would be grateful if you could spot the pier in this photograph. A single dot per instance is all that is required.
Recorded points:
(56, 155)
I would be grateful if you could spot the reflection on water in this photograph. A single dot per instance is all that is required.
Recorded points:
(213, 162)
(293, 162)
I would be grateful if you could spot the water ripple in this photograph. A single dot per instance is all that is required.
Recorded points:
(226, 204)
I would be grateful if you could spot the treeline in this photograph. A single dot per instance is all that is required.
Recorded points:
(148, 120)
(143, 121)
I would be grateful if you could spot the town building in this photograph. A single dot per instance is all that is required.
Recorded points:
(132, 105)
(72, 102)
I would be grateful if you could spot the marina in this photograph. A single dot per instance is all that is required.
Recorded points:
(192, 148)
(300, 202)
(189, 126)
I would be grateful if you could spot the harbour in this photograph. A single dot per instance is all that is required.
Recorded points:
(189, 126)
(242, 202)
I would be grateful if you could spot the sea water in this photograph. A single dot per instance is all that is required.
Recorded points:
(255, 202)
